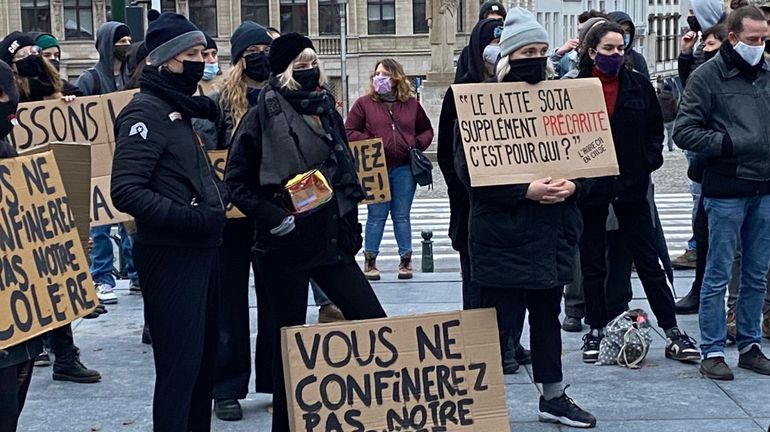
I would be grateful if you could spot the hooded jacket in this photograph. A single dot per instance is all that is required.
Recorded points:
(87, 83)
(637, 60)
(707, 12)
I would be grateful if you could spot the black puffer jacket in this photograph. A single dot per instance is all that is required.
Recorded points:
(163, 178)
(637, 130)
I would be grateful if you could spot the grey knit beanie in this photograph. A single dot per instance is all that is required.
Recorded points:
(588, 25)
(520, 29)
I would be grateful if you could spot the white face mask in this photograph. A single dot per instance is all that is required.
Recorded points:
(752, 54)
(491, 53)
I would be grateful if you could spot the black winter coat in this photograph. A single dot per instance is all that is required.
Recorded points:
(637, 130)
(319, 239)
(163, 178)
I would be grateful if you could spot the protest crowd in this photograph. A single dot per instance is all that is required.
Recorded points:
(279, 209)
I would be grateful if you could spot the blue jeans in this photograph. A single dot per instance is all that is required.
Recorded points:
(102, 258)
(402, 188)
(734, 220)
(695, 192)
(319, 296)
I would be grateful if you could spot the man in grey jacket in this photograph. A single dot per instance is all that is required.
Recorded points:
(725, 117)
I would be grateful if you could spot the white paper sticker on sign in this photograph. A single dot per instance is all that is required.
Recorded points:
(138, 128)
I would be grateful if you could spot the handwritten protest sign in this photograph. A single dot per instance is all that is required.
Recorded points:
(516, 132)
(369, 157)
(44, 277)
(433, 372)
(87, 119)
(218, 160)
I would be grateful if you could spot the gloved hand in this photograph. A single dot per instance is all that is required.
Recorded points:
(286, 226)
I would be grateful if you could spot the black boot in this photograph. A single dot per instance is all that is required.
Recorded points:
(69, 368)
(689, 304)
(228, 409)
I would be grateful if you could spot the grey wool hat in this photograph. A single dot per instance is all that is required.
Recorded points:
(170, 35)
(520, 29)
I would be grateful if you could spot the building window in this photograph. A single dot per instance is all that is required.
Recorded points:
(168, 6)
(78, 19)
(460, 16)
(328, 17)
(382, 16)
(294, 16)
(255, 10)
(36, 16)
(203, 13)
(419, 21)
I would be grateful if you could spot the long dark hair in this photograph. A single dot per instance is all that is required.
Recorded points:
(591, 41)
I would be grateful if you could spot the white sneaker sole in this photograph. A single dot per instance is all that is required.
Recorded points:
(550, 418)
(108, 301)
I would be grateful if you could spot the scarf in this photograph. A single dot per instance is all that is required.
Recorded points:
(734, 60)
(187, 105)
(388, 97)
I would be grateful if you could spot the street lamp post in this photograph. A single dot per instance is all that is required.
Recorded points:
(344, 55)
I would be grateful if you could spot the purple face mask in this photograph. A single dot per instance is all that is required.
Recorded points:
(381, 84)
(609, 64)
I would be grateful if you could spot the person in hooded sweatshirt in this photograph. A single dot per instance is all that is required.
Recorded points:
(523, 237)
(250, 47)
(295, 129)
(162, 177)
(490, 9)
(636, 59)
(483, 52)
(16, 361)
(109, 75)
(705, 15)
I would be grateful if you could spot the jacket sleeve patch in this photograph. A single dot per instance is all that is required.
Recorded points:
(138, 129)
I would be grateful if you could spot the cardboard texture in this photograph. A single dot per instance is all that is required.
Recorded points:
(369, 157)
(44, 278)
(87, 119)
(74, 162)
(439, 371)
(515, 133)
(218, 159)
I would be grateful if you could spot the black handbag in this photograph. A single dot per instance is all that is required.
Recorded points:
(421, 166)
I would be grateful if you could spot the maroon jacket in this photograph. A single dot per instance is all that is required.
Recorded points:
(369, 119)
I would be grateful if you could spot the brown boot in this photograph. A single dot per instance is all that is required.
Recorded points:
(370, 267)
(766, 325)
(330, 313)
(405, 268)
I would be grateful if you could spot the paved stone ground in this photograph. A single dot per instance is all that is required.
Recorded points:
(663, 396)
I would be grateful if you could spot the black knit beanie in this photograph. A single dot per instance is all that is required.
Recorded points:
(285, 49)
(121, 31)
(12, 43)
(170, 35)
(247, 34)
(491, 6)
(210, 42)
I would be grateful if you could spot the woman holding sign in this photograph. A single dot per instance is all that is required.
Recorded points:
(637, 130)
(523, 237)
(291, 170)
(391, 112)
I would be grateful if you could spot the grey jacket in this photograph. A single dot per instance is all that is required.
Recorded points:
(107, 80)
(726, 118)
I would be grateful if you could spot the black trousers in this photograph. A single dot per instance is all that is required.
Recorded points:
(636, 226)
(233, 365)
(346, 287)
(14, 383)
(471, 294)
(60, 341)
(544, 306)
(180, 288)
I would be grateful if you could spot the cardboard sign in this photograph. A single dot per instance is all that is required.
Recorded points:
(369, 157)
(432, 372)
(218, 160)
(515, 133)
(87, 119)
(44, 277)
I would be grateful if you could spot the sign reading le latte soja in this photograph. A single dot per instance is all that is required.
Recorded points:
(515, 133)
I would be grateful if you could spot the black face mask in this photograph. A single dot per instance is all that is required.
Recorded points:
(307, 78)
(7, 110)
(708, 55)
(767, 46)
(693, 23)
(120, 52)
(31, 66)
(55, 63)
(40, 88)
(530, 70)
(257, 67)
(186, 81)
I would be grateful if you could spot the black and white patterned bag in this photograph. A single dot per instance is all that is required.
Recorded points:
(626, 340)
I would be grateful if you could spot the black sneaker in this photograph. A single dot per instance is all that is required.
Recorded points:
(716, 368)
(523, 356)
(69, 368)
(591, 344)
(572, 324)
(228, 409)
(565, 411)
(43, 359)
(681, 347)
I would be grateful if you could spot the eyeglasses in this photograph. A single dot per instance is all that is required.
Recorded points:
(25, 52)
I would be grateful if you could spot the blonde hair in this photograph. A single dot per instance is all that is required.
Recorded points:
(22, 83)
(233, 94)
(286, 78)
(402, 88)
(504, 66)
